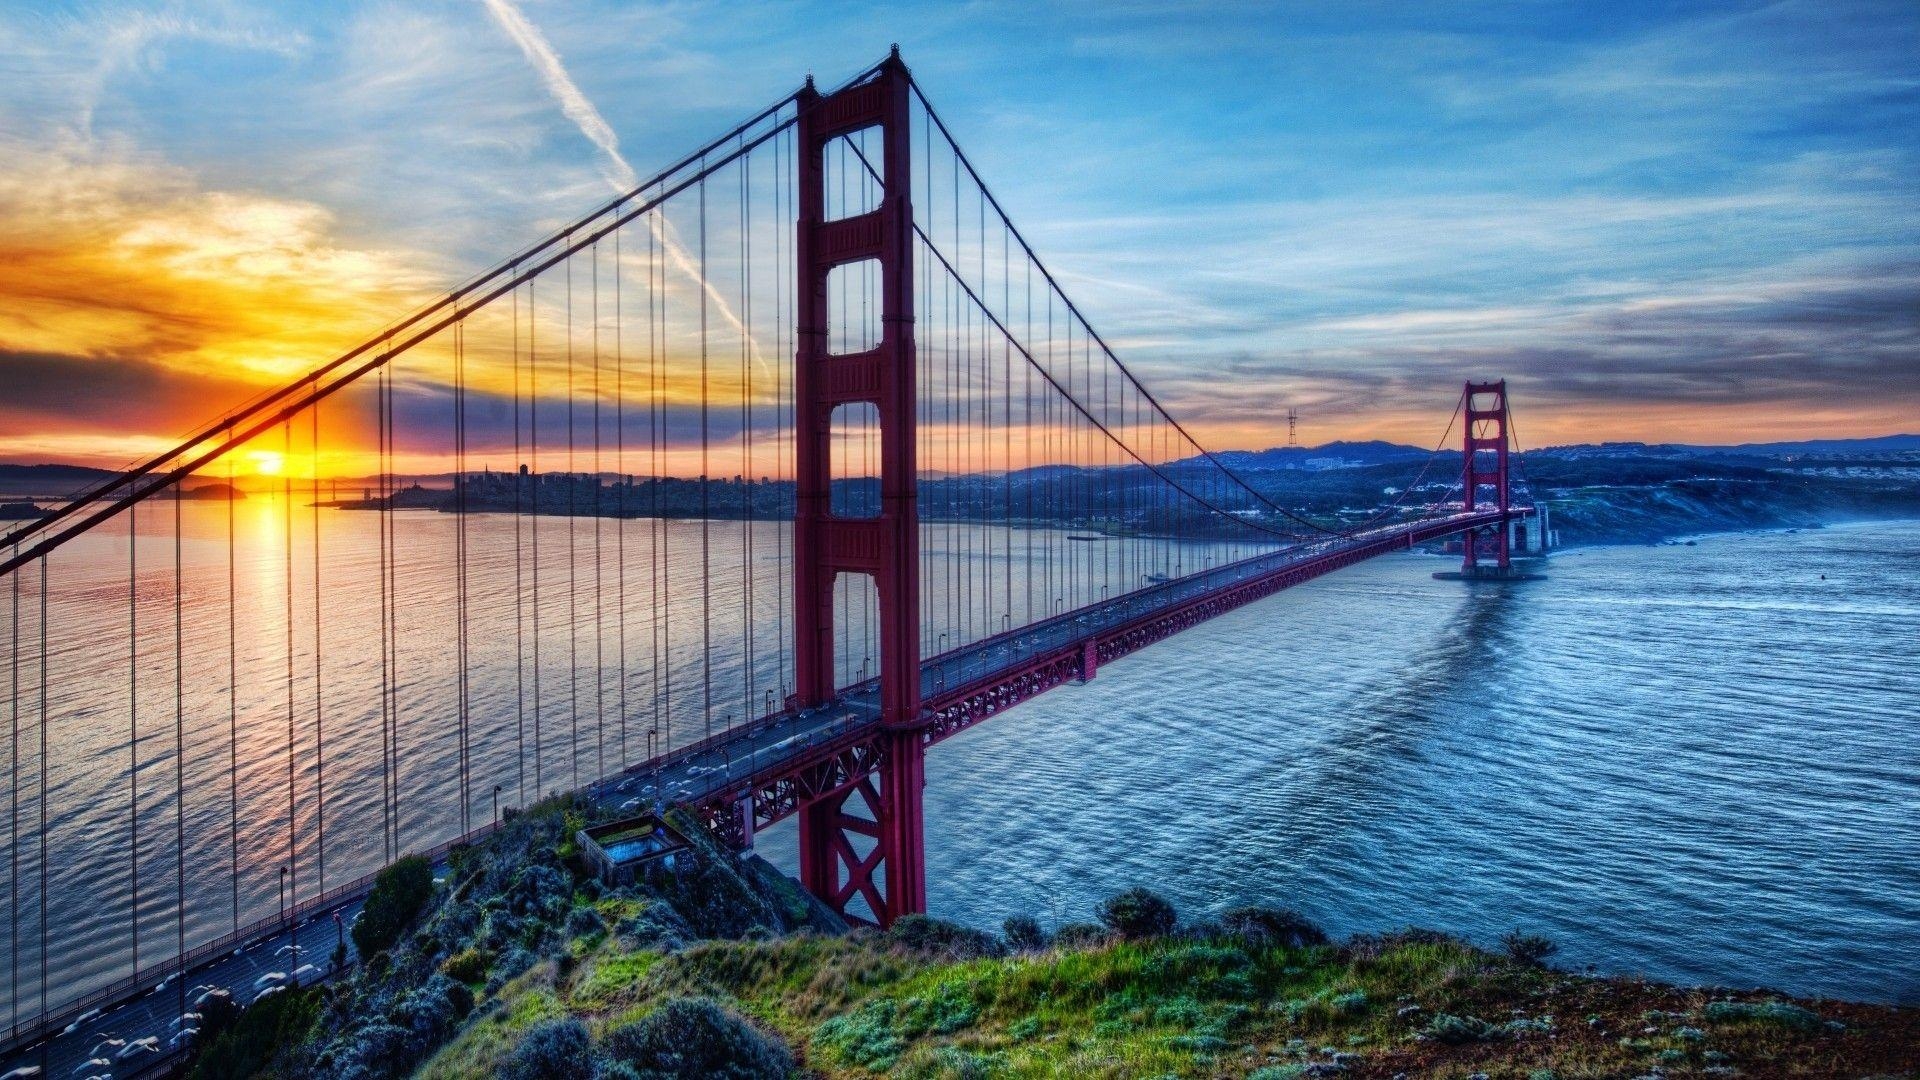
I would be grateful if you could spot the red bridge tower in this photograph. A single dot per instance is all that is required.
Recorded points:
(1486, 465)
(877, 856)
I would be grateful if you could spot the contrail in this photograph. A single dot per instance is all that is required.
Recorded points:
(621, 175)
(539, 52)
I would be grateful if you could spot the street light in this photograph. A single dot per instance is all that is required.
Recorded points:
(496, 804)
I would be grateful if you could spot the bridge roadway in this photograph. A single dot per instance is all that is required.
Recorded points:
(715, 776)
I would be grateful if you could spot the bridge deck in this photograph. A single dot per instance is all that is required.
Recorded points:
(967, 684)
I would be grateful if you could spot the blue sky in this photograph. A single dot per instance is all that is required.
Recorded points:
(1661, 221)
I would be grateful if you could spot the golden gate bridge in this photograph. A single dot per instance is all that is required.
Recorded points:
(709, 576)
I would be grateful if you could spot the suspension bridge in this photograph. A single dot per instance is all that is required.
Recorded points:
(736, 494)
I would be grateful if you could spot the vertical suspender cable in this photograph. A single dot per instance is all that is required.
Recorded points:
(519, 585)
(319, 742)
(13, 805)
(386, 629)
(533, 523)
(179, 762)
(233, 708)
(573, 590)
(286, 507)
(746, 437)
(133, 737)
(463, 714)
(706, 513)
(45, 566)
(779, 417)
(599, 650)
(663, 601)
(625, 483)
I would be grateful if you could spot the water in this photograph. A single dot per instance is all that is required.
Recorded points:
(1693, 763)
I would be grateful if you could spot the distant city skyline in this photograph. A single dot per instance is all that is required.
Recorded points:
(1673, 223)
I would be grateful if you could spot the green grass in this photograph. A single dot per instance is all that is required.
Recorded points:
(861, 1006)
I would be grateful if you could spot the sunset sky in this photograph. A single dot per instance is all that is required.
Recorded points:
(1667, 222)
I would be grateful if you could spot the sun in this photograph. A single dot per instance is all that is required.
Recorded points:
(267, 462)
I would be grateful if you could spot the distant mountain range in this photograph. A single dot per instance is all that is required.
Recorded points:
(1341, 455)
(50, 480)
(1333, 455)
(1885, 444)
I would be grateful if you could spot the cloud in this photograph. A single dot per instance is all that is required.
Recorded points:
(577, 108)
(131, 41)
(105, 410)
(553, 73)
(112, 254)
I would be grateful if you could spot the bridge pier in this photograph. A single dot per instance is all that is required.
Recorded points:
(863, 841)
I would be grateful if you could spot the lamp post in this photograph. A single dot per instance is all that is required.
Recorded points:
(653, 735)
(284, 920)
(496, 804)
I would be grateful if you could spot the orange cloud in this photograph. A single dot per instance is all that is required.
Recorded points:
(114, 257)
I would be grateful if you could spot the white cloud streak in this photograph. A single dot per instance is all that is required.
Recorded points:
(566, 93)
(578, 108)
(126, 42)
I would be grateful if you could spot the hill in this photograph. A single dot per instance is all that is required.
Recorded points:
(49, 480)
(1333, 455)
(523, 966)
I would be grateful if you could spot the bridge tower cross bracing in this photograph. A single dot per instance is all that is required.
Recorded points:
(890, 875)
(1486, 465)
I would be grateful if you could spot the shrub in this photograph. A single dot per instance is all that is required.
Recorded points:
(1023, 933)
(1527, 950)
(378, 1049)
(1456, 1030)
(924, 933)
(1779, 1013)
(1080, 935)
(1262, 927)
(218, 1013)
(697, 1037)
(551, 1050)
(468, 965)
(582, 921)
(435, 1008)
(1349, 1004)
(399, 893)
(269, 1025)
(1138, 913)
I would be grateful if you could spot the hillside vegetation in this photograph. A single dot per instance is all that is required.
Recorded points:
(522, 968)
